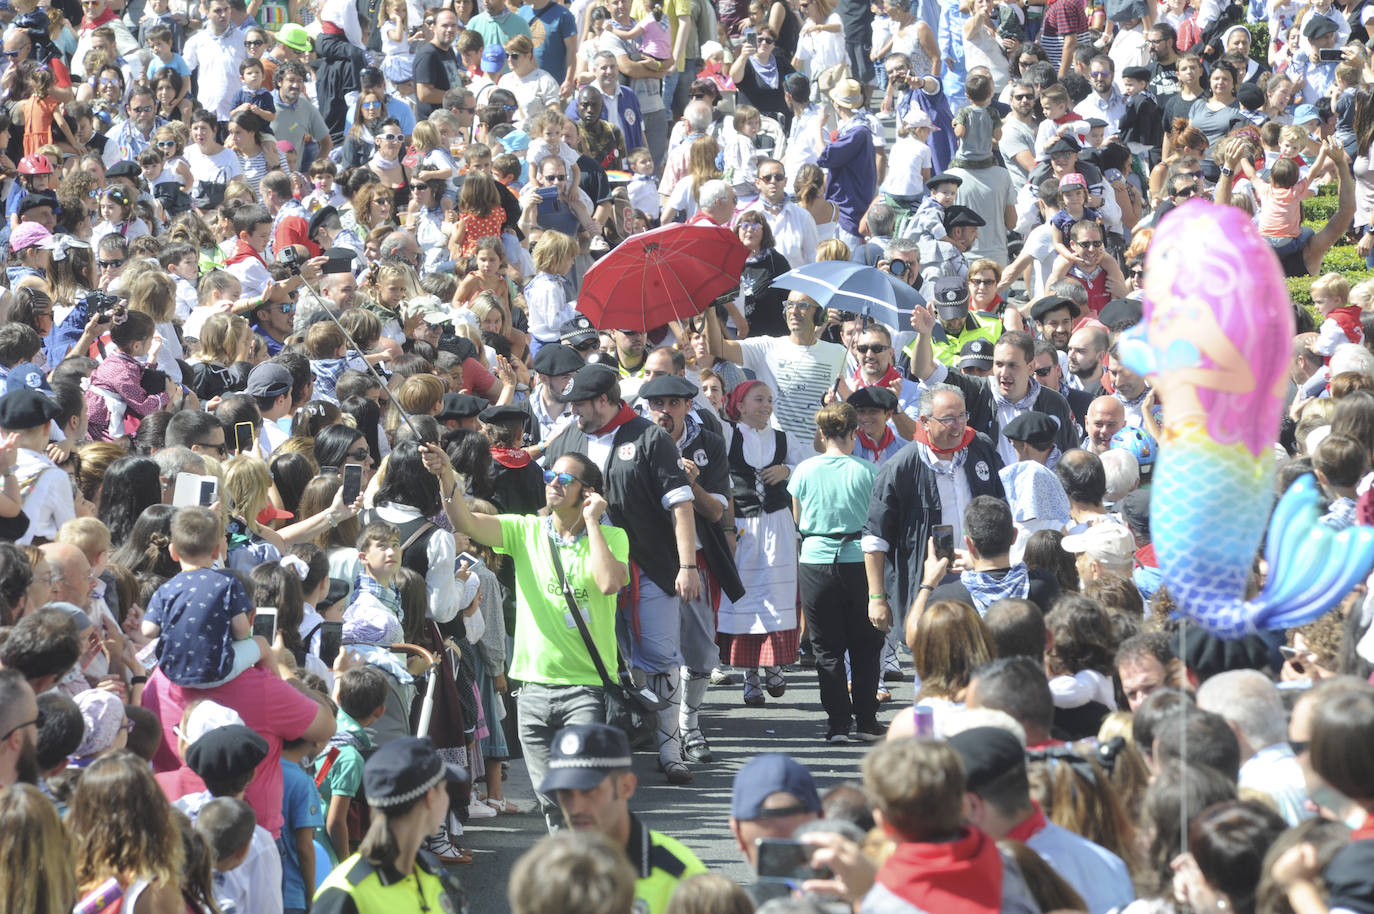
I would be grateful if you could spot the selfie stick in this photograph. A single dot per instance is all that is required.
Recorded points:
(353, 344)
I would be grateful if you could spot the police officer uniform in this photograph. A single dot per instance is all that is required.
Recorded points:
(582, 756)
(399, 772)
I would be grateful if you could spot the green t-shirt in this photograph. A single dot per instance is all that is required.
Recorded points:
(548, 648)
(833, 493)
(345, 776)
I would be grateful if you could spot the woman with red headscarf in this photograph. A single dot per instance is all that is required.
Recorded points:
(761, 630)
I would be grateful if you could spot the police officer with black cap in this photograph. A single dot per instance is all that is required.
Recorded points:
(949, 296)
(590, 775)
(704, 460)
(517, 481)
(946, 257)
(642, 468)
(410, 789)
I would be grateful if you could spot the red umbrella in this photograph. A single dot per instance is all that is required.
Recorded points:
(669, 273)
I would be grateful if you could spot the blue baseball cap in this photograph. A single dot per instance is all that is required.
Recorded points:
(769, 774)
(1304, 113)
(27, 376)
(493, 59)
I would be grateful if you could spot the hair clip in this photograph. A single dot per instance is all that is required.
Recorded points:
(296, 564)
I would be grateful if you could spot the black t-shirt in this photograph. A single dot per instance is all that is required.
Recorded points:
(436, 68)
(1163, 79)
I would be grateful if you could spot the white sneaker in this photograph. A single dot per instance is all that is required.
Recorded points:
(479, 810)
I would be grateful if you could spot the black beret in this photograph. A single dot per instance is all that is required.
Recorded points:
(1063, 144)
(25, 408)
(944, 177)
(873, 397)
(1318, 27)
(987, 753)
(669, 385)
(35, 200)
(461, 406)
(1140, 73)
(555, 359)
(956, 215)
(317, 218)
(125, 169)
(1120, 313)
(493, 415)
(1036, 428)
(225, 753)
(1050, 303)
(589, 382)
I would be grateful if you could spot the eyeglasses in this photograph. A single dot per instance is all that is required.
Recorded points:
(1183, 193)
(9, 55)
(1044, 372)
(38, 722)
(109, 264)
(217, 448)
(167, 144)
(698, 95)
(776, 176)
(391, 137)
(254, 44)
(513, 55)
(1100, 74)
(429, 22)
(361, 453)
(561, 478)
(765, 40)
(950, 421)
(142, 109)
(866, 348)
(1089, 245)
(982, 282)
(1023, 97)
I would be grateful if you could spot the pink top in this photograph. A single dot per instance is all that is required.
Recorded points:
(271, 707)
(123, 376)
(1280, 213)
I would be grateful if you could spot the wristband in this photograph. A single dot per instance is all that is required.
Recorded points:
(925, 587)
(686, 568)
(877, 596)
(137, 680)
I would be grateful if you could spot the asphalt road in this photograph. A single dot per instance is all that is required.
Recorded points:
(697, 814)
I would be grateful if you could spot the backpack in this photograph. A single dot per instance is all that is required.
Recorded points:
(359, 814)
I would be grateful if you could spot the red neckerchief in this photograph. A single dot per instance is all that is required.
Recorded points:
(1030, 825)
(877, 447)
(997, 304)
(87, 23)
(511, 458)
(1349, 320)
(1366, 830)
(924, 438)
(960, 875)
(892, 374)
(1145, 556)
(243, 252)
(619, 419)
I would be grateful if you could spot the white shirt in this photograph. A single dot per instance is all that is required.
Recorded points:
(535, 92)
(799, 377)
(215, 60)
(547, 304)
(50, 502)
(441, 552)
(1110, 109)
(256, 883)
(1275, 772)
(270, 437)
(794, 231)
(910, 157)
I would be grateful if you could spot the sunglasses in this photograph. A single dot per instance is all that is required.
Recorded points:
(429, 22)
(1044, 372)
(167, 144)
(1022, 98)
(359, 454)
(109, 264)
(778, 176)
(142, 109)
(287, 307)
(866, 348)
(217, 448)
(1089, 245)
(588, 346)
(391, 137)
(254, 44)
(555, 177)
(765, 40)
(561, 478)
(698, 95)
(369, 105)
(38, 722)
(1184, 193)
(1138, 272)
(1100, 74)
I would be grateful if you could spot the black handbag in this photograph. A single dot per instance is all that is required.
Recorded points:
(632, 709)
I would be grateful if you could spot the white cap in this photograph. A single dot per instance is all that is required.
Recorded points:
(207, 716)
(1107, 541)
(710, 49)
(917, 117)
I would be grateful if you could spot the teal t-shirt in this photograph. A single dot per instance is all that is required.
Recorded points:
(833, 493)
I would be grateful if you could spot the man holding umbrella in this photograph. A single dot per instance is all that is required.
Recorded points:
(800, 368)
(642, 467)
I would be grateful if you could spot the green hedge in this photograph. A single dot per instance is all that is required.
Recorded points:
(1340, 259)
(1259, 42)
(1319, 209)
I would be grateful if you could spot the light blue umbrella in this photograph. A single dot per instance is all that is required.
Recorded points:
(848, 286)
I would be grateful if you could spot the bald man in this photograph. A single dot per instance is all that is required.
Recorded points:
(1106, 417)
(71, 574)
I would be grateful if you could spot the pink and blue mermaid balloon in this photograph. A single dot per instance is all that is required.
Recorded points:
(1215, 339)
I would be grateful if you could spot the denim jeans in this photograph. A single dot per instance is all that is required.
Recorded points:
(543, 711)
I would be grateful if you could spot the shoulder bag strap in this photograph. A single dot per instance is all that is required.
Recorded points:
(419, 532)
(577, 613)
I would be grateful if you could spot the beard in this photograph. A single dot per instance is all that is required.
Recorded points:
(26, 766)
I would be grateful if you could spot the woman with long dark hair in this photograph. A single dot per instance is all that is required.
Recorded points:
(144, 551)
(256, 154)
(339, 446)
(386, 164)
(131, 485)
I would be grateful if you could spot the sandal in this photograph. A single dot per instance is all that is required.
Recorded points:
(502, 806)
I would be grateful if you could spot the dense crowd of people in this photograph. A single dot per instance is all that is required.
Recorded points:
(321, 500)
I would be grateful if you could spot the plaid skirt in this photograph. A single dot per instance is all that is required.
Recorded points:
(767, 649)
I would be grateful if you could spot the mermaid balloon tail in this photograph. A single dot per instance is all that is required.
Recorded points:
(1215, 340)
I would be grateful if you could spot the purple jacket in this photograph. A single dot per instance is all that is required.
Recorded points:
(853, 172)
